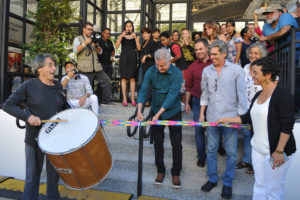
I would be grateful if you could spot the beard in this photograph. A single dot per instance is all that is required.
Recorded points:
(274, 18)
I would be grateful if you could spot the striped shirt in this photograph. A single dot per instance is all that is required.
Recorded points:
(78, 88)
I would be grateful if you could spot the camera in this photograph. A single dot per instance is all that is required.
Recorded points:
(95, 37)
(76, 73)
(128, 33)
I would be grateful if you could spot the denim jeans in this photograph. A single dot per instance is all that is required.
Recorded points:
(247, 145)
(175, 137)
(230, 145)
(34, 164)
(199, 130)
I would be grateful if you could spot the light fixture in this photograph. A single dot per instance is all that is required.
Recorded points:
(195, 8)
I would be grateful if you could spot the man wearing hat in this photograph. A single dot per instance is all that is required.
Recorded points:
(277, 24)
(79, 90)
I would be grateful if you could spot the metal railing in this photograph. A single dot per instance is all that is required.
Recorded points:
(287, 53)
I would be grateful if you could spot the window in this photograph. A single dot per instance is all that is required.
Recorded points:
(114, 22)
(132, 4)
(114, 5)
(16, 7)
(162, 12)
(15, 30)
(90, 13)
(179, 11)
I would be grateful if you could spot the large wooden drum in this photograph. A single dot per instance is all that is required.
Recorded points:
(77, 149)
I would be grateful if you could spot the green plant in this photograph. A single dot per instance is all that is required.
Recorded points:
(51, 33)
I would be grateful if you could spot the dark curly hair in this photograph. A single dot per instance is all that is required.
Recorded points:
(268, 66)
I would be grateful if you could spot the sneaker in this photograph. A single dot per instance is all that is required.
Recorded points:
(159, 179)
(176, 182)
(108, 104)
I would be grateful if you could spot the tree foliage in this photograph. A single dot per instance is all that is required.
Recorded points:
(51, 33)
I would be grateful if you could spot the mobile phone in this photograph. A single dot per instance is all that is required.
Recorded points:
(128, 33)
(285, 157)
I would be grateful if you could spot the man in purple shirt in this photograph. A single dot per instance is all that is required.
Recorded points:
(193, 91)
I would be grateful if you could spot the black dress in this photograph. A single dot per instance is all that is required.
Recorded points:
(128, 59)
(150, 48)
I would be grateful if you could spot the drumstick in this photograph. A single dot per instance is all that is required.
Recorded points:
(55, 120)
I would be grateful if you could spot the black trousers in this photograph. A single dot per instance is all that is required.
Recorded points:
(104, 81)
(175, 137)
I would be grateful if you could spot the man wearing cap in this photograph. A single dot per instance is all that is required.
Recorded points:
(79, 90)
(276, 25)
(87, 55)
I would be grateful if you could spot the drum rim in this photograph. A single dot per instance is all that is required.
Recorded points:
(75, 149)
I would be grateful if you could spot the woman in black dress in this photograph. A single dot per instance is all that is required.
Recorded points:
(128, 60)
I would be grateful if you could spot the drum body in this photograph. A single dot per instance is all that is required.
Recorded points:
(77, 149)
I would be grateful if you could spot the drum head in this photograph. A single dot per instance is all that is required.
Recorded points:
(66, 137)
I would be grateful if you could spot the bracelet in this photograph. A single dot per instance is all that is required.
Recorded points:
(278, 151)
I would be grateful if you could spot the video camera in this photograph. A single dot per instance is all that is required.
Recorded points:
(95, 37)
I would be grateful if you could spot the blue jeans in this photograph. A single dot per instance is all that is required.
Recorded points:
(199, 130)
(230, 145)
(247, 145)
(34, 164)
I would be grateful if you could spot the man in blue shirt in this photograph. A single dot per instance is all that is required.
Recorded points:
(277, 24)
(165, 80)
(223, 88)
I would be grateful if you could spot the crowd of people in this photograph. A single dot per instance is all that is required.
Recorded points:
(219, 74)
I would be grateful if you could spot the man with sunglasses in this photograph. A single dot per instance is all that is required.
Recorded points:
(223, 94)
(87, 51)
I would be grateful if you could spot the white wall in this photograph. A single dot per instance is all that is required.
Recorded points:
(292, 188)
(12, 147)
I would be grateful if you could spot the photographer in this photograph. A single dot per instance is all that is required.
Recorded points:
(79, 90)
(87, 50)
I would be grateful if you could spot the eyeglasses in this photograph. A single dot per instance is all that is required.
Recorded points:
(89, 29)
(216, 85)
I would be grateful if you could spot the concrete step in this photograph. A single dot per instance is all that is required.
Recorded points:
(123, 177)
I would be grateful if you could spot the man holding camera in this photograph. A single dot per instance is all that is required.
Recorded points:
(87, 50)
(79, 90)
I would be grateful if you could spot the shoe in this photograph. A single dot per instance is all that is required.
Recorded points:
(159, 179)
(176, 182)
(125, 104)
(249, 170)
(108, 104)
(221, 150)
(133, 104)
(208, 186)
(242, 164)
(201, 163)
(226, 192)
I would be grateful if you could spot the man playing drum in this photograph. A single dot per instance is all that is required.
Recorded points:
(43, 98)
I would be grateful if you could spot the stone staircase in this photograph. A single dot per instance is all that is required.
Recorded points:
(123, 177)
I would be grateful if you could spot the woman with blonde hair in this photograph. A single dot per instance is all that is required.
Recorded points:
(187, 46)
(211, 32)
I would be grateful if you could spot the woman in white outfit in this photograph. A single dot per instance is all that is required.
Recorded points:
(271, 114)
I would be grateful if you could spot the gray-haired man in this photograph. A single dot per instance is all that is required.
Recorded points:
(43, 98)
(224, 94)
(166, 80)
